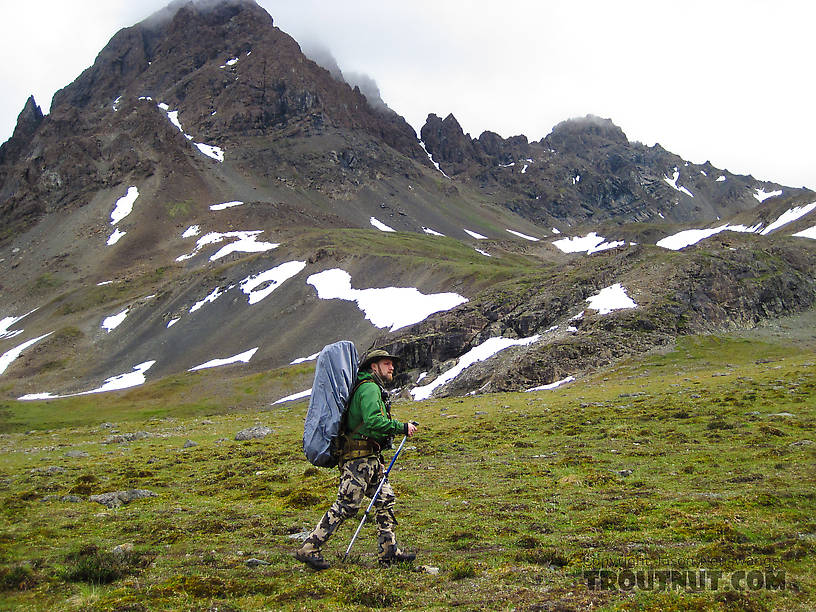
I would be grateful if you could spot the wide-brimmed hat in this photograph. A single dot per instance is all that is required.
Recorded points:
(376, 355)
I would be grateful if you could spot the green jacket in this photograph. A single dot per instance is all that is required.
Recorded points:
(368, 416)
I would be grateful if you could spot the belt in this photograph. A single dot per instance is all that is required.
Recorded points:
(356, 449)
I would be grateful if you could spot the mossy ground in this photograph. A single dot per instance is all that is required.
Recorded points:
(681, 460)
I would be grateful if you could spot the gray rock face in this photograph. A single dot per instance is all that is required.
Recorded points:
(115, 499)
(251, 433)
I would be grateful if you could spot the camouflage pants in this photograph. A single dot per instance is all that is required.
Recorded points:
(359, 478)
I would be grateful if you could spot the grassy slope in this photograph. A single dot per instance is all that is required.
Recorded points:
(509, 495)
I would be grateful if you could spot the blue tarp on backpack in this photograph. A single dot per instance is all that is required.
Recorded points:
(335, 375)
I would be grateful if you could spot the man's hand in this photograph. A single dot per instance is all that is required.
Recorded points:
(411, 429)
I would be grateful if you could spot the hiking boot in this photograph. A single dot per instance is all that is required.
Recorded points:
(313, 559)
(396, 556)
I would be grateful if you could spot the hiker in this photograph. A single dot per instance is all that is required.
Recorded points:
(368, 429)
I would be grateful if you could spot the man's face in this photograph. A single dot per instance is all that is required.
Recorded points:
(384, 368)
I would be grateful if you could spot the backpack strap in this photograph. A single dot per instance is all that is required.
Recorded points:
(351, 448)
(344, 420)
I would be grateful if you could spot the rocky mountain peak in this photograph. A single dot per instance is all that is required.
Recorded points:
(28, 121)
(575, 135)
(448, 144)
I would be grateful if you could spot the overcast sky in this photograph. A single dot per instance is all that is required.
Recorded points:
(730, 81)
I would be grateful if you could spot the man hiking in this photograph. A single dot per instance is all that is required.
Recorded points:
(367, 429)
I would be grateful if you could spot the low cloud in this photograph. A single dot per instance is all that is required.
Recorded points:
(322, 56)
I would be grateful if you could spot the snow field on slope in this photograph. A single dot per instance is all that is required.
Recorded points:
(112, 322)
(246, 242)
(525, 236)
(293, 397)
(270, 280)
(380, 225)
(685, 238)
(553, 385)
(7, 322)
(808, 233)
(673, 183)
(215, 363)
(609, 299)
(226, 205)
(789, 216)
(393, 307)
(114, 383)
(124, 205)
(216, 153)
(484, 351)
(591, 243)
(10, 355)
(761, 195)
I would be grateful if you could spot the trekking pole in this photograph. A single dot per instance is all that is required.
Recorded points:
(374, 497)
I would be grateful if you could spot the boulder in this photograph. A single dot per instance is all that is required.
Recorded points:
(114, 499)
(251, 433)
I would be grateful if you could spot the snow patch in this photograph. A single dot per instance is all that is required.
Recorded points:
(7, 322)
(380, 225)
(475, 235)
(191, 231)
(484, 351)
(789, 216)
(673, 182)
(214, 363)
(114, 237)
(225, 205)
(124, 381)
(269, 280)
(525, 236)
(172, 322)
(291, 398)
(611, 298)
(9, 356)
(393, 307)
(555, 231)
(761, 195)
(591, 243)
(217, 153)
(112, 322)
(305, 359)
(481, 252)
(124, 205)
(554, 385)
(246, 242)
(430, 157)
(808, 233)
(37, 396)
(214, 295)
(428, 230)
(681, 240)
(115, 383)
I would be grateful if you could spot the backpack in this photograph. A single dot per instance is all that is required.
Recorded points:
(334, 384)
